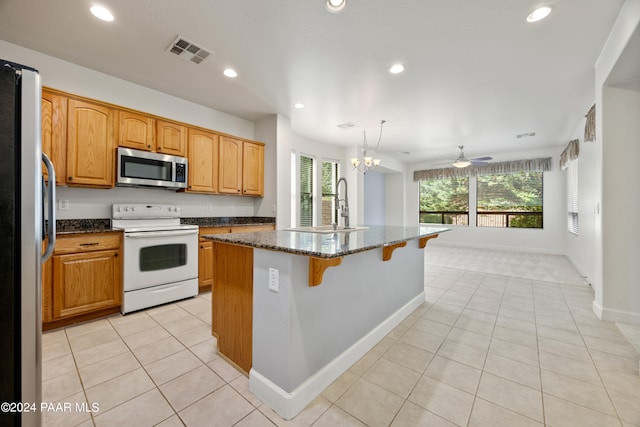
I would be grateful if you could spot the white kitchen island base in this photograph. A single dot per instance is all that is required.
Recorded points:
(310, 325)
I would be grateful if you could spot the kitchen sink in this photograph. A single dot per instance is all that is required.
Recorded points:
(327, 229)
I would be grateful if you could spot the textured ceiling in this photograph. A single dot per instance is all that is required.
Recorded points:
(476, 72)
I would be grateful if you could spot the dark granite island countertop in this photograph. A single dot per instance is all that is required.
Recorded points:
(328, 245)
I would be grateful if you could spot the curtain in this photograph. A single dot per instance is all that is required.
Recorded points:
(531, 165)
(570, 153)
(590, 125)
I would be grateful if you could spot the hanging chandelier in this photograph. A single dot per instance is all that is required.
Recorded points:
(367, 162)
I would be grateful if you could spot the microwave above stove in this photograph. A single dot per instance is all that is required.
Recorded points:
(138, 168)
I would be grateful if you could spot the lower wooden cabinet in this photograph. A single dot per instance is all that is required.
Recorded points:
(205, 250)
(205, 265)
(83, 280)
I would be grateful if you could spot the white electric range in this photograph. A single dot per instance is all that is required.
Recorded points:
(160, 255)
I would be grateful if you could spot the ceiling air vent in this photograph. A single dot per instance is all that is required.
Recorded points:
(188, 50)
(347, 125)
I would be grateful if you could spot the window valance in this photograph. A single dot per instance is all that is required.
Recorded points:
(570, 153)
(513, 166)
(590, 125)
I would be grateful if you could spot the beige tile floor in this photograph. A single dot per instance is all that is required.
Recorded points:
(486, 349)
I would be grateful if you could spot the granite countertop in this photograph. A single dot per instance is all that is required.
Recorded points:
(101, 225)
(227, 221)
(327, 245)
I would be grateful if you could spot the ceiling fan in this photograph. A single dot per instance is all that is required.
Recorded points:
(463, 162)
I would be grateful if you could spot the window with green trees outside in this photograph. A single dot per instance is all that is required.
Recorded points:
(510, 200)
(445, 201)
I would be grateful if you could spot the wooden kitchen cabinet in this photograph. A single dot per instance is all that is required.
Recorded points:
(90, 144)
(171, 138)
(203, 162)
(136, 131)
(83, 279)
(252, 169)
(205, 266)
(230, 166)
(54, 133)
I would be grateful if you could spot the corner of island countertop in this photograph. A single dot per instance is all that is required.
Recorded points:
(327, 245)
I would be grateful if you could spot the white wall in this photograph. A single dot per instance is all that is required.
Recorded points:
(96, 203)
(550, 239)
(617, 293)
(374, 199)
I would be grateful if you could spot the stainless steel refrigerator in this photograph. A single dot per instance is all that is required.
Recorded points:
(22, 231)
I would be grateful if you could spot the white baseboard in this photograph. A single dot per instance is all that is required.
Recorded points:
(613, 315)
(499, 248)
(288, 405)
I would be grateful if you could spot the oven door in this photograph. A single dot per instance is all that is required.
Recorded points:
(159, 257)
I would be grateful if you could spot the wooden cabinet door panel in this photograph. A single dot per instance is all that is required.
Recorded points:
(230, 166)
(252, 169)
(205, 266)
(85, 282)
(90, 144)
(54, 134)
(171, 138)
(203, 162)
(136, 131)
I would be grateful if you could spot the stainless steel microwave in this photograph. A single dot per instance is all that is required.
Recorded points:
(145, 169)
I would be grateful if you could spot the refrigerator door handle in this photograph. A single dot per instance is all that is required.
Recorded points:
(51, 205)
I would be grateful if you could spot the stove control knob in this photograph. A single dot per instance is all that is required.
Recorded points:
(126, 209)
(133, 209)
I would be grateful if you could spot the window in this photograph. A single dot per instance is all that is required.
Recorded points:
(306, 192)
(329, 182)
(445, 201)
(510, 200)
(572, 196)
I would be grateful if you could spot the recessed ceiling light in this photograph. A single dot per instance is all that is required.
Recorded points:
(298, 105)
(538, 14)
(396, 69)
(101, 12)
(336, 6)
(230, 72)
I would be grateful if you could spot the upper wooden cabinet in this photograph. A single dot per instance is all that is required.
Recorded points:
(136, 131)
(54, 133)
(80, 136)
(171, 138)
(230, 166)
(252, 169)
(90, 144)
(203, 162)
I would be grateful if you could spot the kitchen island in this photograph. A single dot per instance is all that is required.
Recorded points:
(295, 309)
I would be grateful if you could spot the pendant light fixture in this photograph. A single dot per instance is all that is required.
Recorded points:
(367, 162)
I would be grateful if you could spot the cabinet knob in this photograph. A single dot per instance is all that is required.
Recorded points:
(148, 145)
(70, 178)
(159, 148)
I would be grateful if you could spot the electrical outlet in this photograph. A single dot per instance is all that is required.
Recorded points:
(209, 208)
(274, 278)
(63, 204)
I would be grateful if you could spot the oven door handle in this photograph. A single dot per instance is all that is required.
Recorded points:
(151, 234)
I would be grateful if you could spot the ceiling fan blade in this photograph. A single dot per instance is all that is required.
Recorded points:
(482, 159)
(478, 162)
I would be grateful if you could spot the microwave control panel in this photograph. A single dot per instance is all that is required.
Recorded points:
(181, 172)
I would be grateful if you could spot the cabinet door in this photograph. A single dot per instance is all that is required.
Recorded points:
(54, 134)
(136, 131)
(171, 138)
(203, 162)
(252, 169)
(85, 282)
(205, 266)
(230, 168)
(90, 144)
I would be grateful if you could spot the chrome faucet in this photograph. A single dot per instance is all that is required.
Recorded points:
(345, 206)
